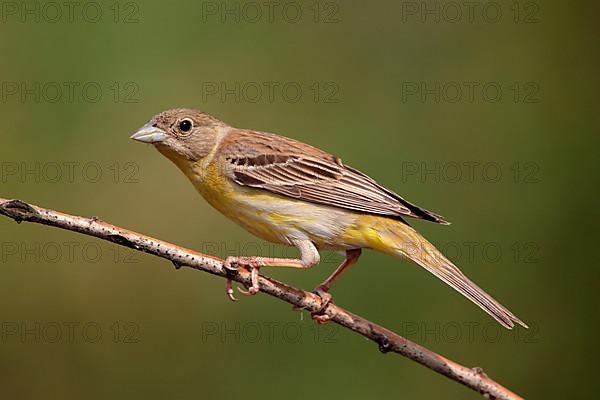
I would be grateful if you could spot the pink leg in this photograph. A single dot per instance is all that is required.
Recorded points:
(323, 289)
(309, 257)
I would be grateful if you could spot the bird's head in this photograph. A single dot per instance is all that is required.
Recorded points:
(181, 134)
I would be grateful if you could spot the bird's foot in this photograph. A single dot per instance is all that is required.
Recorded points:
(326, 299)
(318, 315)
(233, 263)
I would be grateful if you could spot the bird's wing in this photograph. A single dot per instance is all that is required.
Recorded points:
(290, 168)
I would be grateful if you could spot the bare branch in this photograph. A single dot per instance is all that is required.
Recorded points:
(387, 340)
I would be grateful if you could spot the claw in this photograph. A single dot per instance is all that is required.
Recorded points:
(229, 290)
(254, 288)
(250, 292)
(232, 264)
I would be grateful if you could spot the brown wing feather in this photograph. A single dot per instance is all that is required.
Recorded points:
(291, 168)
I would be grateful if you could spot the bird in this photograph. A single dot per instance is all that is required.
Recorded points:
(287, 192)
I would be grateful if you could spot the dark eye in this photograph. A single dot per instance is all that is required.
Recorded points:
(185, 125)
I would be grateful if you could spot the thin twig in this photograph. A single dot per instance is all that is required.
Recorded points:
(387, 340)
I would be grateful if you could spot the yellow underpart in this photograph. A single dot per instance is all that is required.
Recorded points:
(378, 233)
(280, 219)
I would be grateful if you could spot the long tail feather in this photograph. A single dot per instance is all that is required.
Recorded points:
(408, 243)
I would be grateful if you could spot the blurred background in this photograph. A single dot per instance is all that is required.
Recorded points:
(486, 114)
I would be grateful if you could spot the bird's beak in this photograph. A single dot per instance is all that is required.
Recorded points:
(149, 134)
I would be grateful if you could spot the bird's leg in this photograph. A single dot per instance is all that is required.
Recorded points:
(323, 289)
(254, 263)
(309, 256)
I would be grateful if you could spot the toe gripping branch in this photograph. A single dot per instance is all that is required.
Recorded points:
(232, 266)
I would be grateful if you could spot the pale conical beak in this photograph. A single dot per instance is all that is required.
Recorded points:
(149, 134)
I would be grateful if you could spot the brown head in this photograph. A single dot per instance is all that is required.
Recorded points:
(181, 134)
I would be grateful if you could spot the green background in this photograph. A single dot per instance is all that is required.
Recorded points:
(176, 334)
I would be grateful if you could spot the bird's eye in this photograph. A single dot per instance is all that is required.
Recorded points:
(185, 125)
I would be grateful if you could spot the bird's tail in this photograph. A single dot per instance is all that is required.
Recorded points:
(399, 239)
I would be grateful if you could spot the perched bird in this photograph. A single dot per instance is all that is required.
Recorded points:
(291, 193)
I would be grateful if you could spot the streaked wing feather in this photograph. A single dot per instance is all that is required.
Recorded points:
(290, 168)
